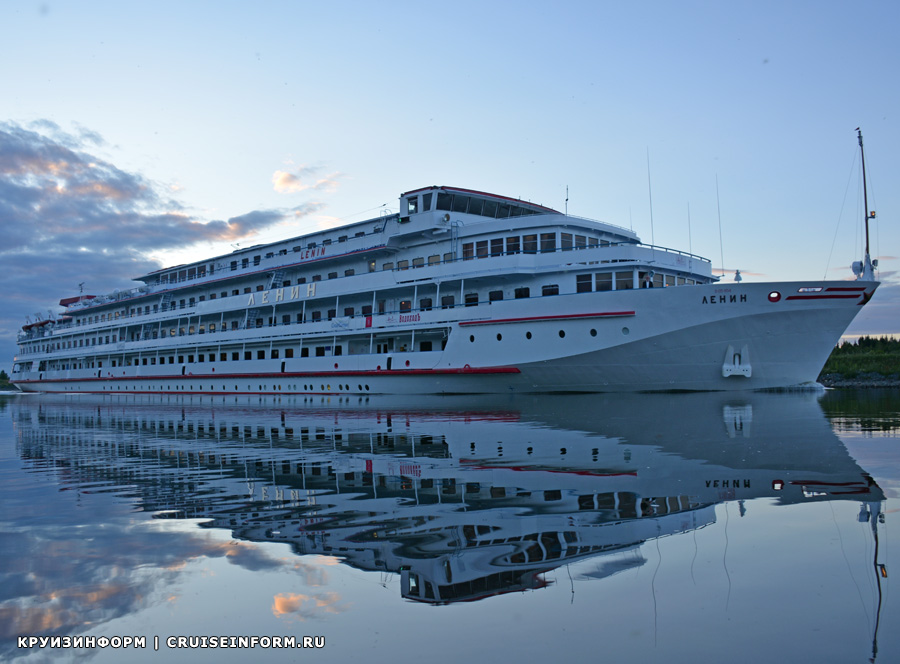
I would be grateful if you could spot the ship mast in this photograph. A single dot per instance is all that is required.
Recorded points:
(866, 270)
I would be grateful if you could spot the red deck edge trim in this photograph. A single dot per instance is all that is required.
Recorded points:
(606, 314)
(853, 296)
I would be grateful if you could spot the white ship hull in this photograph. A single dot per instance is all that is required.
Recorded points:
(702, 337)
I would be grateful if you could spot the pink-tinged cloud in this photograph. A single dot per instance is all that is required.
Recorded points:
(303, 607)
(304, 178)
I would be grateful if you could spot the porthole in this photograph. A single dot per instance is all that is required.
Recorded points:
(593, 332)
(499, 337)
(626, 331)
(562, 334)
(528, 335)
(472, 338)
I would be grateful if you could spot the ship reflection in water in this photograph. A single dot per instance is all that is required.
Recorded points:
(464, 500)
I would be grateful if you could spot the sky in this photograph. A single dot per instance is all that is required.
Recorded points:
(135, 135)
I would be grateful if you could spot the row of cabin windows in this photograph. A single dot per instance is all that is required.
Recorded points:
(187, 274)
(528, 244)
(585, 283)
(245, 262)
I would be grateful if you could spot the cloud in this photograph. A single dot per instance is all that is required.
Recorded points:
(301, 607)
(303, 178)
(69, 216)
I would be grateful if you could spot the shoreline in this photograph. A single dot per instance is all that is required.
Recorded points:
(862, 380)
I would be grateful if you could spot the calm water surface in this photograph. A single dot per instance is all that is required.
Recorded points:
(652, 528)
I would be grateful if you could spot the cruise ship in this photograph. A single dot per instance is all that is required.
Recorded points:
(461, 291)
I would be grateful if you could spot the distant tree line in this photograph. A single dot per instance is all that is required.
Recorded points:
(868, 346)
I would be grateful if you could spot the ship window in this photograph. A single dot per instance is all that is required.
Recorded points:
(412, 205)
(448, 257)
(670, 280)
(503, 210)
(338, 350)
(320, 351)
(275, 353)
(426, 202)
(259, 288)
(289, 352)
(447, 301)
(326, 242)
(460, 203)
(443, 201)
(594, 242)
(476, 205)
(349, 311)
(201, 358)
(529, 244)
(235, 292)
(245, 262)
(583, 283)
(342, 238)
(387, 266)
(350, 272)
(405, 306)
(403, 265)
(522, 292)
(424, 346)
(332, 275)
(316, 316)
(624, 280)
(233, 265)
(658, 280)
(260, 355)
(490, 209)
(418, 262)
(311, 245)
(481, 249)
(497, 246)
(223, 357)
(550, 289)
(580, 241)
(371, 266)
(285, 319)
(512, 245)
(425, 304)
(359, 234)
(304, 352)
(301, 280)
(367, 310)
(471, 299)
(468, 251)
(434, 259)
(332, 313)
(317, 277)
(548, 242)
(565, 241)
(495, 295)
